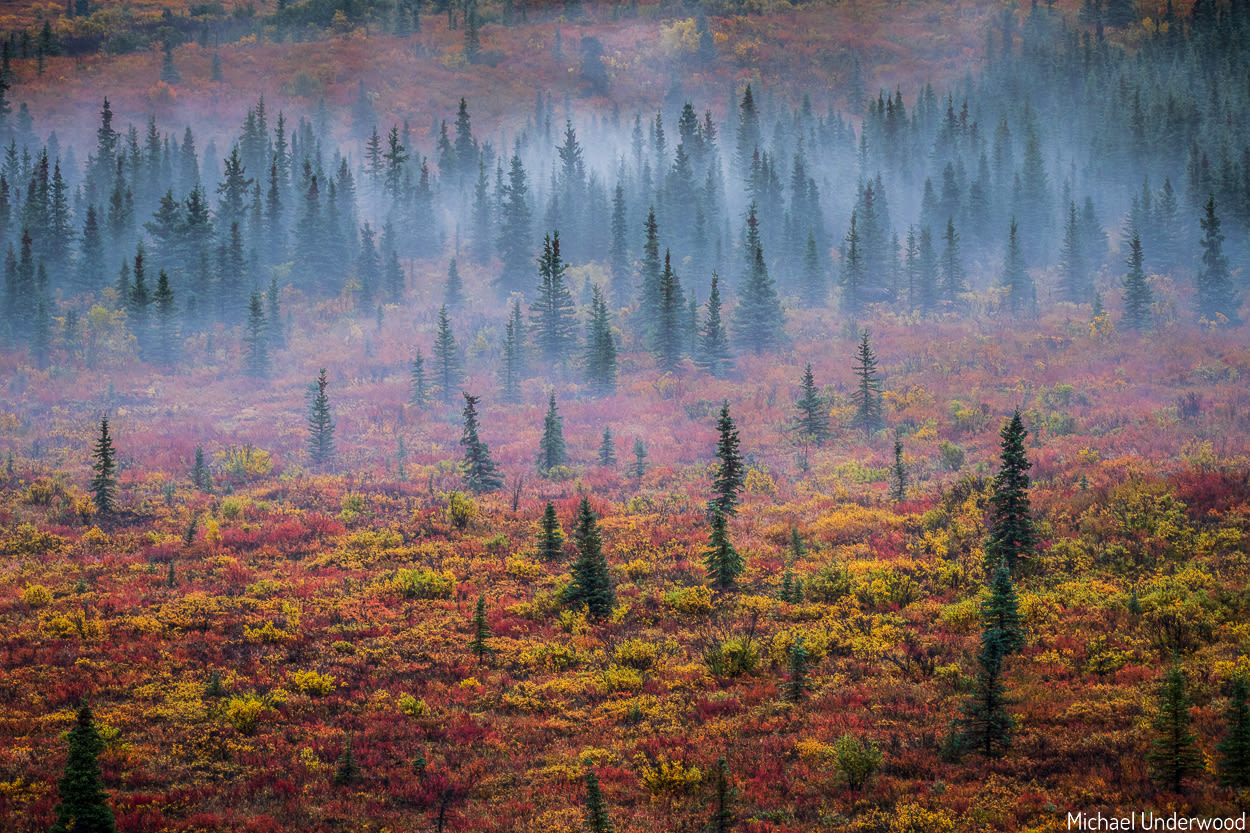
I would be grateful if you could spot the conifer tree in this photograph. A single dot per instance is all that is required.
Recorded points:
(986, 725)
(1001, 611)
(730, 473)
(793, 689)
(592, 585)
(1215, 296)
(481, 473)
(952, 265)
(1073, 277)
(600, 355)
(666, 337)
(812, 285)
(551, 314)
(83, 805)
(513, 365)
(853, 278)
(201, 479)
(346, 770)
(649, 277)
(453, 289)
(447, 357)
(607, 449)
(1174, 754)
(867, 395)
(618, 252)
(722, 816)
(723, 562)
(552, 451)
(713, 354)
(550, 535)
(481, 630)
(1137, 295)
(104, 481)
(320, 425)
(640, 459)
(1021, 294)
(758, 318)
(597, 818)
(1011, 535)
(514, 229)
(419, 384)
(1234, 748)
(813, 419)
(166, 325)
(898, 472)
(256, 340)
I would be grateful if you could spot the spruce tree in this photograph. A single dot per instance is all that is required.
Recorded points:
(481, 630)
(481, 473)
(758, 319)
(513, 366)
(793, 689)
(618, 252)
(649, 278)
(453, 289)
(812, 285)
(986, 725)
(551, 315)
(867, 395)
(1137, 295)
(1073, 277)
(722, 816)
(952, 264)
(419, 384)
(640, 459)
(600, 355)
(447, 357)
(724, 563)
(1011, 535)
(607, 449)
(550, 535)
(853, 278)
(104, 481)
(166, 325)
(83, 805)
(1215, 296)
(813, 417)
(1174, 754)
(346, 770)
(1234, 748)
(1021, 293)
(201, 479)
(713, 354)
(552, 451)
(256, 340)
(666, 338)
(730, 473)
(592, 585)
(1001, 612)
(320, 425)
(898, 474)
(514, 229)
(597, 818)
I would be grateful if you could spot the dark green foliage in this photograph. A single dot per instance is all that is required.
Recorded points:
(214, 687)
(813, 419)
(986, 725)
(453, 289)
(256, 340)
(1074, 279)
(104, 481)
(867, 395)
(666, 337)
(447, 357)
(550, 536)
(481, 473)
(722, 816)
(793, 689)
(346, 770)
(1011, 535)
(952, 264)
(597, 818)
(1021, 293)
(854, 277)
(600, 355)
(607, 449)
(1215, 297)
(1174, 753)
(724, 563)
(713, 354)
(640, 459)
(730, 473)
(514, 229)
(320, 425)
(618, 252)
(83, 805)
(592, 586)
(1234, 748)
(1137, 295)
(552, 313)
(898, 474)
(201, 479)
(812, 284)
(552, 451)
(1000, 612)
(481, 630)
(166, 324)
(758, 318)
(419, 385)
(513, 365)
(649, 283)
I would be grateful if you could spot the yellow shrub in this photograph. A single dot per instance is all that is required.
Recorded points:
(759, 483)
(36, 595)
(244, 713)
(425, 584)
(912, 818)
(413, 707)
(619, 678)
(244, 462)
(636, 653)
(690, 601)
(313, 683)
(521, 567)
(670, 777)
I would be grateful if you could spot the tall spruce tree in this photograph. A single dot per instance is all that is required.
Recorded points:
(166, 323)
(104, 480)
(551, 315)
(640, 459)
(447, 363)
(597, 818)
(552, 451)
(1215, 296)
(813, 412)
(550, 535)
(1137, 295)
(481, 630)
(418, 384)
(1174, 753)
(713, 353)
(592, 585)
(513, 366)
(867, 395)
(607, 449)
(1021, 293)
(481, 473)
(986, 725)
(898, 474)
(1073, 277)
(320, 425)
(83, 805)
(724, 563)
(758, 318)
(600, 356)
(514, 243)
(1234, 748)
(649, 277)
(793, 689)
(730, 473)
(256, 339)
(666, 337)
(1011, 536)
(453, 288)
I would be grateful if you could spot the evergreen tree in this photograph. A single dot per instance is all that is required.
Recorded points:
(514, 229)
(812, 285)
(166, 325)
(813, 419)
(83, 805)
(986, 725)
(597, 818)
(713, 354)
(1174, 754)
(758, 319)
(551, 314)
(952, 265)
(1021, 294)
(867, 395)
(550, 535)
(447, 358)
(513, 355)
(640, 459)
(666, 337)
(607, 449)
(1073, 277)
(649, 278)
(320, 425)
(1011, 535)
(201, 479)
(256, 340)
(453, 289)
(346, 770)
(1001, 612)
(722, 816)
(854, 277)
(618, 252)
(419, 385)
(898, 474)
(1234, 749)
(1137, 295)
(481, 473)
(600, 355)
(723, 562)
(1215, 296)
(926, 267)
(551, 448)
(730, 473)
(592, 586)
(481, 630)
(104, 481)
(793, 689)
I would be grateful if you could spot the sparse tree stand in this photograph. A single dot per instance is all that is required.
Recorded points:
(481, 473)
(592, 585)
(552, 451)
(867, 395)
(1011, 536)
(730, 475)
(550, 536)
(481, 631)
(597, 818)
(1234, 749)
(1174, 753)
(104, 481)
(320, 426)
(607, 449)
(723, 562)
(83, 805)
